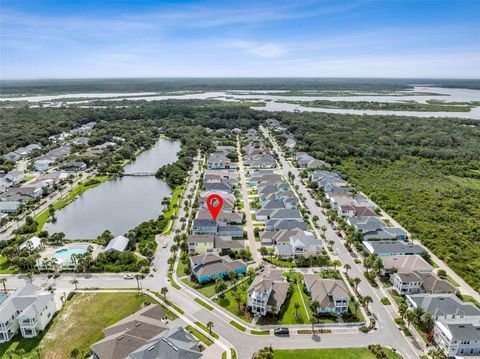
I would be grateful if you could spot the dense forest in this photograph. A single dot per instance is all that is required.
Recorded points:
(27, 87)
(391, 106)
(22, 126)
(424, 172)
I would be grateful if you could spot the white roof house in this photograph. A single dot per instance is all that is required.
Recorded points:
(118, 243)
(33, 242)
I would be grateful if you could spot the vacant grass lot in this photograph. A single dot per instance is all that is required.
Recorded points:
(78, 325)
(343, 353)
(5, 266)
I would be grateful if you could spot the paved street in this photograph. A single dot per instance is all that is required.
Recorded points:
(384, 318)
(246, 206)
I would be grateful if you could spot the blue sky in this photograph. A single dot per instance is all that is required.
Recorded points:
(369, 38)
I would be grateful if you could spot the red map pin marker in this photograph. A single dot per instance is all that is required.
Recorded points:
(213, 207)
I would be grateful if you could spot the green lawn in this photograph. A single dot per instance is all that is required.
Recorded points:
(173, 283)
(174, 206)
(228, 302)
(181, 269)
(78, 325)
(70, 197)
(203, 304)
(5, 267)
(343, 353)
(204, 327)
(238, 326)
(208, 290)
(287, 315)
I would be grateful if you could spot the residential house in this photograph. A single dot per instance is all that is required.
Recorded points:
(385, 248)
(285, 224)
(206, 267)
(74, 165)
(218, 187)
(406, 283)
(15, 177)
(374, 228)
(130, 333)
(443, 306)
(300, 244)
(207, 243)
(119, 244)
(405, 263)
(9, 206)
(355, 211)
(26, 311)
(230, 231)
(176, 343)
(228, 200)
(331, 294)
(268, 292)
(458, 338)
(218, 160)
(223, 218)
(42, 165)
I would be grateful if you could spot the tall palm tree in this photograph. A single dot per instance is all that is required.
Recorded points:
(366, 300)
(238, 299)
(356, 282)
(402, 309)
(210, 326)
(4, 281)
(409, 317)
(164, 292)
(75, 282)
(347, 267)
(315, 305)
(313, 320)
(296, 305)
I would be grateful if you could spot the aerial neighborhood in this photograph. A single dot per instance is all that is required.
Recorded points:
(294, 248)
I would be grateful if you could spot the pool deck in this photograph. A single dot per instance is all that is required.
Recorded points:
(50, 251)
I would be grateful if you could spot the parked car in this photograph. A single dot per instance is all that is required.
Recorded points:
(281, 331)
(128, 276)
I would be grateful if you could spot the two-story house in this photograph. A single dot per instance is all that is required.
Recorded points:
(268, 292)
(458, 338)
(331, 294)
(25, 311)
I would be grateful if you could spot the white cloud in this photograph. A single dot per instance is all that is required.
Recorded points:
(260, 49)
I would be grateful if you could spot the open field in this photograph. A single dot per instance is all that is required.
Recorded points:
(343, 353)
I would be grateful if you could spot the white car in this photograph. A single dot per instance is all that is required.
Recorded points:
(128, 276)
(164, 245)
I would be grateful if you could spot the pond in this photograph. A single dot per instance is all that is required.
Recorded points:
(120, 204)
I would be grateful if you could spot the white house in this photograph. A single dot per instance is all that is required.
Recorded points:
(42, 165)
(458, 338)
(25, 311)
(267, 292)
(16, 177)
(31, 243)
(407, 283)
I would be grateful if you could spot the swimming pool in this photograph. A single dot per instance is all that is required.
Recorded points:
(64, 255)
